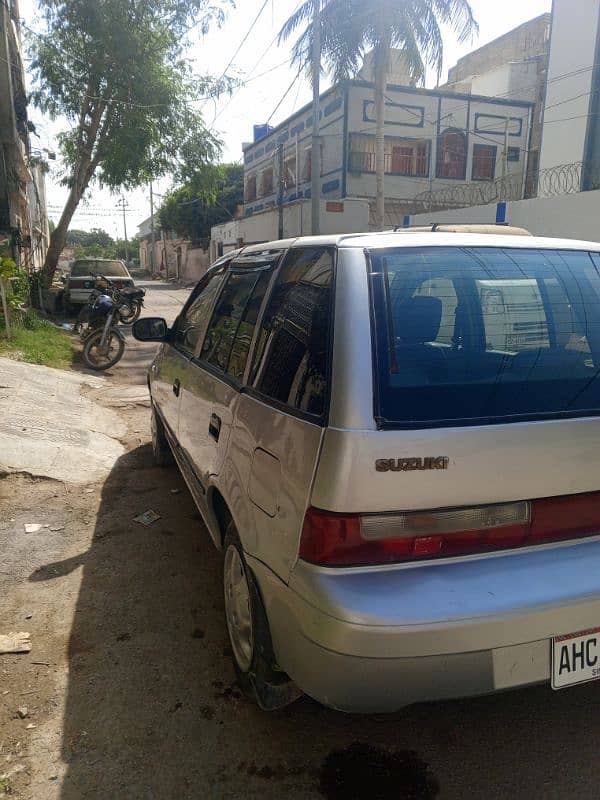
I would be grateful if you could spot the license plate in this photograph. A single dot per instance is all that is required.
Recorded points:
(575, 658)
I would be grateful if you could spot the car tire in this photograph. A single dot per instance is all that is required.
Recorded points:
(161, 450)
(249, 633)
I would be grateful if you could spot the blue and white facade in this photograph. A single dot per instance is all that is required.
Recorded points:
(433, 138)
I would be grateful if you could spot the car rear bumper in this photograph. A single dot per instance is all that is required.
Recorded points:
(377, 640)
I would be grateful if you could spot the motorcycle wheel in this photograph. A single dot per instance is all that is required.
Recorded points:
(112, 353)
(129, 312)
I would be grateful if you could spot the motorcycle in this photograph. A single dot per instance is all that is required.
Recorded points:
(97, 324)
(130, 299)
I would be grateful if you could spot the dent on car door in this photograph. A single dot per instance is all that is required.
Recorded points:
(279, 421)
(209, 400)
(175, 367)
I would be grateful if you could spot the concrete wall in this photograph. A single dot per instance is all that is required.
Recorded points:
(572, 49)
(570, 216)
(353, 218)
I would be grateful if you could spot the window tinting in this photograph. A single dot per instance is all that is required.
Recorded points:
(229, 334)
(291, 356)
(472, 334)
(111, 269)
(190, 325)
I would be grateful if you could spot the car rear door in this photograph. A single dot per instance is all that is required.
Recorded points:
(210, 395)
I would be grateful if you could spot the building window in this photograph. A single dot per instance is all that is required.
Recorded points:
(307, 172)
(514, 154)
(289, 172)
(250, 188)
(452, 154)
(267, 182)
(408, 158)
(484, 162)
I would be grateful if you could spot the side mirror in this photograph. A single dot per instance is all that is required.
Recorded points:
(150, 329)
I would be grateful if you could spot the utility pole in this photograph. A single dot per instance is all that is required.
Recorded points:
(505, 162)
(315, 155)
(152, 231)
(280, 186)
(124, 204)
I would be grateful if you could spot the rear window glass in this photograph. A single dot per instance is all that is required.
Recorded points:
(111, 269)
(485, 334)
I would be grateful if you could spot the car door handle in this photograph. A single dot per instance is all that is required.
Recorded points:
(214, 427)
(176, 387)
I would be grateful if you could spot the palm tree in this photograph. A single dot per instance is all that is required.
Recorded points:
(351, 28)
(319, 36)
(412, 26)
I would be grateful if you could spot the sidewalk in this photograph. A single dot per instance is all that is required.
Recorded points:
(50, 426)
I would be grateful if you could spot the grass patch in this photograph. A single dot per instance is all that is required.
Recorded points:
(37, 341)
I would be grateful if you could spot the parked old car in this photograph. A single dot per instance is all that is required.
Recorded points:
(393, 439)
(82, 277)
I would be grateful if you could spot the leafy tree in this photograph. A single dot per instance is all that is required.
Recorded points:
(115, 70)
(351, 28)
(86, 239)
(209, 198)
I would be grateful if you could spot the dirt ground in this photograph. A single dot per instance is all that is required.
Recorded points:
(129, 694)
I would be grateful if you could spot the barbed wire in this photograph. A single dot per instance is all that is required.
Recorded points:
(550, 182)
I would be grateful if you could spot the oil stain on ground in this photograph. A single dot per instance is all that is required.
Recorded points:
(364, 772)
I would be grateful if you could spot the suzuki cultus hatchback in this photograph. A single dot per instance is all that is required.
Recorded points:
(395, 440)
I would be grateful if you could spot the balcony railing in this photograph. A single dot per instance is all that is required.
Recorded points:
(415, 165)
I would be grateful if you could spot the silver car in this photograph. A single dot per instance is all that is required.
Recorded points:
(394, 441)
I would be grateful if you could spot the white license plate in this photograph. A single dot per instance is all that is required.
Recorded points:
(575, 658)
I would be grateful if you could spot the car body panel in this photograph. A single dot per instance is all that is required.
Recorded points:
(292, 446)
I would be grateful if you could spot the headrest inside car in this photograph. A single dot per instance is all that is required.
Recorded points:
(418, 320)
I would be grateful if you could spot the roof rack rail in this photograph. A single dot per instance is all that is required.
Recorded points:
(435, 225)
(464, 227)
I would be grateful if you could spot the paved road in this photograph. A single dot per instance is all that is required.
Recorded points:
(131, 688)
(162, 300)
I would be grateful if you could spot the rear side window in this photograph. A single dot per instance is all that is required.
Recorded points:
(192, 322)
(111, 269)
(485, 334)
(229, 335)
(290, 363)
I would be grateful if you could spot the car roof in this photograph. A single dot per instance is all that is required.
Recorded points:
(384, 239)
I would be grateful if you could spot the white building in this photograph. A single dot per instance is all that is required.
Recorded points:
(433, 138)
(571, 127)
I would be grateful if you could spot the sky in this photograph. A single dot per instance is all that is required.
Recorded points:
(272, 92)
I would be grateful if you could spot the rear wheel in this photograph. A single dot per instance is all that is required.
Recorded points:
(129, 312)
(161, 451)
(249, 634)
(101, 357)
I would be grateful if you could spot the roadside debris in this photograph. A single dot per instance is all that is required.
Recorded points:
(34, 527)
(30, 727)
(15, 643)
(55, 528)
(147, 517)
(175, 491)
(23, 712)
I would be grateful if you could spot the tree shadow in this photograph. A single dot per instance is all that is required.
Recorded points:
(153, 710)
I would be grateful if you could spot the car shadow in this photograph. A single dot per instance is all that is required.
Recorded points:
(153, 709)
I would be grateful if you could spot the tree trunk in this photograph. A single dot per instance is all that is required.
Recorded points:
(83, 172)
(58, 237)
(381, 67)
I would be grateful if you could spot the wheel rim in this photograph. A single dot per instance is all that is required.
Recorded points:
(105, 355)
(237, 608)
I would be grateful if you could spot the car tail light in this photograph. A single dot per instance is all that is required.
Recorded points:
(352, 539)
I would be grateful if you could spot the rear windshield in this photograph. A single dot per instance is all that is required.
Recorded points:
(111, 269)
(475, 335)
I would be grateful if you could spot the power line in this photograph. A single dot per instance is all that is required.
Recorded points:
(243, 42)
